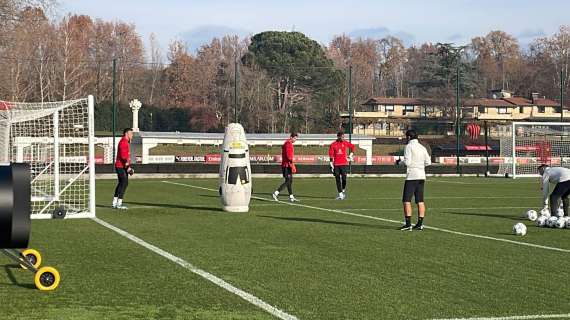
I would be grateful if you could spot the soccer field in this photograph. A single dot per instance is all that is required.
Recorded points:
(318, 259)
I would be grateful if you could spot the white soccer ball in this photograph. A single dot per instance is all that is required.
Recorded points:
(541, 221)
(545, 212)
(519, 229)
(551, 222)
(560, 223)
(532, 215)
(560, 212)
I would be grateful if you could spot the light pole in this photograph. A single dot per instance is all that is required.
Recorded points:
(562, 85)
(114, 99)
(236, 90)
(455, 52)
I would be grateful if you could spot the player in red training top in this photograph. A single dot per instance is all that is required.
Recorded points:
(288, 168)
(339, 162)
(123, 168)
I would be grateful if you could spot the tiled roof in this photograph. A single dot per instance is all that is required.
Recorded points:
(519, 101)
(483, 102)
(401, 101)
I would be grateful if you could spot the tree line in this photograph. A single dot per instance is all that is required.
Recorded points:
(278, 81)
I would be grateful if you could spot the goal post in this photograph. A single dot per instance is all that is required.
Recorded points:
(57, 139)
(527, 145)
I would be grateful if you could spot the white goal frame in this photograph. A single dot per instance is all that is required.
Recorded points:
(52, 171)
(511, 159)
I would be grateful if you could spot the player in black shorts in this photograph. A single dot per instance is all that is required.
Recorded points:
(340, 160)
(288, 168)
(416, 158)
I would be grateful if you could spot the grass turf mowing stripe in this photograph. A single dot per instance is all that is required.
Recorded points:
(204, 274)
(538, 316)
(390, 220)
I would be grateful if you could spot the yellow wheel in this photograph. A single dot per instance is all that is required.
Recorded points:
(33, 256)
(47, 279)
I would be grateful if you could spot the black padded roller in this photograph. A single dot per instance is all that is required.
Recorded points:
(15, 206)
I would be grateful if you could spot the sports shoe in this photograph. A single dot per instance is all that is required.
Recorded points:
(293, 199)
(406, 227)
(122, 207)
(418, 227)
(275, 197)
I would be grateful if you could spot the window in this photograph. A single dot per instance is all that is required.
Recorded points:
(482, 109)
(541, 109)
(409, 108)
(521, 109)
(502, 110)
(389, 108)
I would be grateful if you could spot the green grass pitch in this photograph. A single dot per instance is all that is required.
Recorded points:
(306, 261)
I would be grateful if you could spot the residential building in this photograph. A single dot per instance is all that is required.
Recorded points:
(504, 107)
(388, 116)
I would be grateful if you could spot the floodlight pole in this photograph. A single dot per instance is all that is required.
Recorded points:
(562, 84)
(457, 110)
(236, 90)
(486, 149)
(349, 103)
(350, 111)
(114, 121)
(456, 50)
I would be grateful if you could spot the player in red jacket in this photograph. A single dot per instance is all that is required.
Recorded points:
(123, 168)
(339, 162)
(288, 168)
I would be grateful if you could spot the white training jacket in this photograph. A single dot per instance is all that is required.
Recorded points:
(553, 175)
(416, 158)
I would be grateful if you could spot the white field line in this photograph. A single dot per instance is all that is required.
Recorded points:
(538, 316)
(437, 197)
(526, 244)
(430, 208)
(204, 274)
(480, 183)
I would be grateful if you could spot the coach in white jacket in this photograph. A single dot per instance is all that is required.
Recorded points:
(561, 177)
(416, 158)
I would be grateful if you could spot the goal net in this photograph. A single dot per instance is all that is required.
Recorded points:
(57, 140)
(527, 145)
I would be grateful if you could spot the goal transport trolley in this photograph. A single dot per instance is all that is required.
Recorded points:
(15, 222)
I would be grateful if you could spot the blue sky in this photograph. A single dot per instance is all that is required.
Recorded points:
(415, 21)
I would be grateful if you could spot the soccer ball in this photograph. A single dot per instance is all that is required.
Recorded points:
(532, 215)
(560, 223)
(545, 212)
(560, 212)
(519, 229)
(551, 222)
(541, 221)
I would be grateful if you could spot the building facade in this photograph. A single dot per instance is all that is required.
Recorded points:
(387, 116)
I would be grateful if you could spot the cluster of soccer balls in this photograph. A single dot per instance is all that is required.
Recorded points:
(543, 220)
